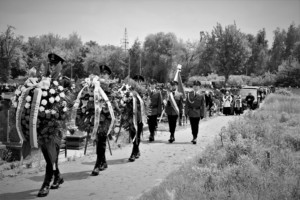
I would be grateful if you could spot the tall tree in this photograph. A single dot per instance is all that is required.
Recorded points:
(278, 50)
(10, 51)
(159, 51)
(232, 50)
(292, 36)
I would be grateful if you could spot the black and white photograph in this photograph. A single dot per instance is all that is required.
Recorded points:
(150, 99)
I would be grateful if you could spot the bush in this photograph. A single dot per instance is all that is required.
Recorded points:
(284, 92)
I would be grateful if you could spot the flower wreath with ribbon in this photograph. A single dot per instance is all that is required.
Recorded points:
(91, 106)
(40, 110)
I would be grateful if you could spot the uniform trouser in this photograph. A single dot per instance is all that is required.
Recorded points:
(49, 164)
(101, 148)
(172, 119)
(152, 123)
(195, 126)
(137, 141)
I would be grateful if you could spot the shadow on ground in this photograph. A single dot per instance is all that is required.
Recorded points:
(29, 194)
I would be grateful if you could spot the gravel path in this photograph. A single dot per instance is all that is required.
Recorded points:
(122, 179)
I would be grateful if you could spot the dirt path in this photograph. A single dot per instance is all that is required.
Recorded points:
(122, 179)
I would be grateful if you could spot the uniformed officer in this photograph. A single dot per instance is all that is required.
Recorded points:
(51, 152)
(155, 108)
(103, 128)
(173, 105)
(194, 104)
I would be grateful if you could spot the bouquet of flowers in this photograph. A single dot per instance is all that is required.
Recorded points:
(40, 110)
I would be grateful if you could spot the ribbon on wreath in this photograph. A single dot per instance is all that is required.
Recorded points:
(36, 101)
(173, 103)
(19, 112)
(98, 107)
(143, 117)
(110, 108)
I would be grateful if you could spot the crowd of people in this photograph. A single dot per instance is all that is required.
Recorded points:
(95, 109)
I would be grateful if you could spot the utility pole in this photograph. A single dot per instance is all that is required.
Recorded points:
(141, 63)
(125, 46)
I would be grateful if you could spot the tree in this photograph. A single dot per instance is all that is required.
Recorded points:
(257, 63)
(278, 50)
(232, 50)
(10, 52)
(159, 51)
(135, 53)
(292, 36)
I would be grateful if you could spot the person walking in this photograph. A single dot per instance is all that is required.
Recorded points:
(155, 108)
(173, 105)
(194, 104)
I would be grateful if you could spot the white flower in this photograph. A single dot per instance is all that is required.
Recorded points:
(17, 92)
(52, 91)
(29, 84)
(45, 93)
(65, 109)
(61, 88)
(64, 103)
(27, 105)
(28, 98)
(62, 95)
(57, 98)
(55, 83)
(91, 99)
(53, 112)
(44, 102)
(51, 100)
(23, 88)
(47, 111)
(42, 108)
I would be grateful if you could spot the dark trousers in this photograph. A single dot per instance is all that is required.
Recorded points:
(152, 124)
(49, 164)
(137, 141)
(172, 119)
(101, 148)
(195, 126)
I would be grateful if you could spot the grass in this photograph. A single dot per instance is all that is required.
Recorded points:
(256, 157)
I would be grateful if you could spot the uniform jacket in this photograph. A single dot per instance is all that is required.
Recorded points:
(179, 101)
(195, 104)
(155, 106)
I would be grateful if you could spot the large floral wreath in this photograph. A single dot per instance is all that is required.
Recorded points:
(41, 107)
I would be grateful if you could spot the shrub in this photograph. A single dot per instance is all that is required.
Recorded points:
(283, 92)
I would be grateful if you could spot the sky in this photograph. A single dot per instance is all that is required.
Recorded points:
(104, 21)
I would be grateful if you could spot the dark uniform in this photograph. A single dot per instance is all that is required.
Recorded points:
(105, 121)
(195, 103)
(154, 110)
(250, 99)
(51, 149)
(172, 114)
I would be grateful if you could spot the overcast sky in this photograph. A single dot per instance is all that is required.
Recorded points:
(104, 21)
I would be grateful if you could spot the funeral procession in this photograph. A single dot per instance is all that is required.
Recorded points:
(149, 100)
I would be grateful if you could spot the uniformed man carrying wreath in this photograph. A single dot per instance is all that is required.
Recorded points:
(194, 104)
(173, 105)
(155, 108)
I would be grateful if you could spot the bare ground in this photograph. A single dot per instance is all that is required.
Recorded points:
(122, 179)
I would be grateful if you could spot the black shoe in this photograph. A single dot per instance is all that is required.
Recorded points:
(151, 139)
(103, 166)
(57, 181)
(171, 140)
(44, 191)
(95, 172)
(137, 155)
(194, 141)
(131, 158)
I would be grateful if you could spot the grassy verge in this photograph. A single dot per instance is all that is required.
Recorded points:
(256, 157)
